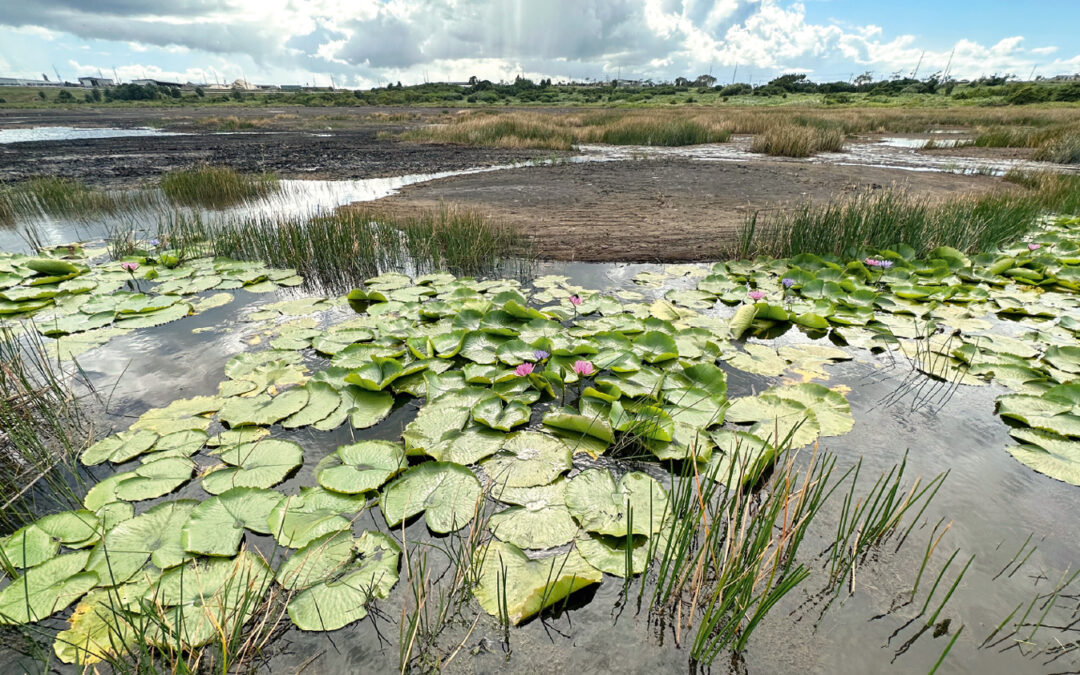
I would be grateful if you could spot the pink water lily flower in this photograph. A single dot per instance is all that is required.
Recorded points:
(575, 300)
(524, 370)
(130, 266)
(756, 295)
(1034, 247)
(873, 262)
(583, 368)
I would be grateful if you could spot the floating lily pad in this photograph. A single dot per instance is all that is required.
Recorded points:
(262, 464)
(262, 409)
(445, 492)
(216, 526)
(154, 479)
(515, 587)
(360, 467)
(298, 520)
(527, 459)
(46, 589)
(637, 503)
(343, 598)
(151, 537)
(539, 518)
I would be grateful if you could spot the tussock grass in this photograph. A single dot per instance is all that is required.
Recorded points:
(791, 140)
(654, 130)
(55, 196)
(43, 429)
(1064, 149)
(340, 250)
(514, 130)
(883, 219)
(215, 186)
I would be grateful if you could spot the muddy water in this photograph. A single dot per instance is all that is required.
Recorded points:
(38, 134)
(993, 502)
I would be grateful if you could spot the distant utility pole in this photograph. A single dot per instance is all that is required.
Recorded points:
(949, 64)
(734, 73)
(918, 65)
(1032, 75)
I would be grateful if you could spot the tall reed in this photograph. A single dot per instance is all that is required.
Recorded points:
(872, 220)
(215, 186)
(43, 428)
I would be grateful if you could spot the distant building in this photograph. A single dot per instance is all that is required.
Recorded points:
(20, 82)
(95, 82)
(157, 83)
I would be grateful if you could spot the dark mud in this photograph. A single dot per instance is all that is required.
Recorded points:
(293, 143)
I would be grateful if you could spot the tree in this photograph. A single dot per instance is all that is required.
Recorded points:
(64, 96)
(200, 92)
(864, 79)
(704, 81)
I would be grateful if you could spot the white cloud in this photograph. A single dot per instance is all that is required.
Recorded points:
(364, 42)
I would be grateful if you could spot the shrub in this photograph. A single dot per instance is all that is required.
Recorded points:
(793, 140)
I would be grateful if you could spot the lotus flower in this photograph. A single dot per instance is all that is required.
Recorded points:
(788, 282)
(155, 242)
(130, 266)
(540, 355)
(885, 264)
(575, 300)
(584, 368)
(524, 370)
(1034, 247)
(873, 262)
(756, 295)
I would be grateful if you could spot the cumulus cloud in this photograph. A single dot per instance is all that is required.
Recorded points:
(363, 42)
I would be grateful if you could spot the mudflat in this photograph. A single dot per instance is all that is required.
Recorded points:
(662, 209)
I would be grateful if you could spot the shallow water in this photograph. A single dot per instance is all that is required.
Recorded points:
(992, 501)
(41, 134)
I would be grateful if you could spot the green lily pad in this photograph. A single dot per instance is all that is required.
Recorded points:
(1050, 455)
(119, 448)
(538, 520)
(262, 409)
(154, 479)
(28, 546)
(322, 401)
(360, 467)
(447, 493)
(608, 554)
(262, 464)
(343, 598)
(46, 589)
(296, 521)
(151, 537)
(515, 587)
(637, 503)
(493, 412)
(527, 459)
(180, 415)
(216, 526)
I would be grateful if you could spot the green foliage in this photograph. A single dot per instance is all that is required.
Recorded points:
(215, 186)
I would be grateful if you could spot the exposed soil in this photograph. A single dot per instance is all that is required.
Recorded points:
(657, 209)
(352, 151)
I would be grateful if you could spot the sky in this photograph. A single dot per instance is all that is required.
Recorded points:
(366, 43)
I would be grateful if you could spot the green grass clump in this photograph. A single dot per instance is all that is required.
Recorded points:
(337, 252)
(514, 130)
(793, 140)
(883, 219)
(1064, 149)
(652, 131)
(55, 197)
(215, 186)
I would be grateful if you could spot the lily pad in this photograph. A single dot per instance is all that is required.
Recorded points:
(445, 492)
(46, 589)
(636, 504)
(538, 520)
(360, 467)
(343, 598)
(528, 458)
(151, 537)
(514, 587)
(262, 409)
(262, 464)
(298, 520)
(216, 526)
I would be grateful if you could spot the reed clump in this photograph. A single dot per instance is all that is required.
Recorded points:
(792, 140)
(513, 130)
(880, 219)
(43, 428)
(215, 186)
(54, 196)
(338, 251)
